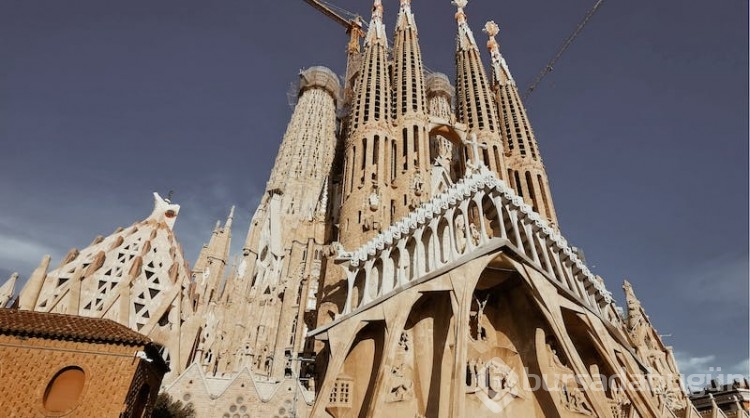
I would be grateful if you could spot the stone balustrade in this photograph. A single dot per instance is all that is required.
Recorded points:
(476, 215)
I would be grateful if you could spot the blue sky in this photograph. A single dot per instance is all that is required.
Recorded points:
(643, 126)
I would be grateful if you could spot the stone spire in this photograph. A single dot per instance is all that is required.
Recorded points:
(526, 172)
(7, 290)
(257, 321)
(409, 166)
(474, 102)
(209, 268)
(307, 150)
(30, 293)
(408, 71)
(366, 174)
(376, 32)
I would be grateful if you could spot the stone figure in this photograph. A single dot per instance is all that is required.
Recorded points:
(418, 184)
(460, 234)
(374, 200)
(573, 398)
(401, 385)
(475, 235)
(481, 330)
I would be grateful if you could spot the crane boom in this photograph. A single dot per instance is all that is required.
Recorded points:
(326, 10)
(353, 24)
(569, 41)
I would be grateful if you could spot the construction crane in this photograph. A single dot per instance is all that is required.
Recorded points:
(353, 24)
(568, 42)
(350, 21)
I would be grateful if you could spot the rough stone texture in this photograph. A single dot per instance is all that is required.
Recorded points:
(113, 375)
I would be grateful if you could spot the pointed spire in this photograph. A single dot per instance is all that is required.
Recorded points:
(408, 70)
(405, 16)
(8, 289)
(230, 218)
(475, 105)
(30, 292)
(376, 32)
(465, 39)
(630, 298)
(500, 70)
(526, 172)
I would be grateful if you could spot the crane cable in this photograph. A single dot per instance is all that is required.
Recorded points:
(568, 42)
(344, 13)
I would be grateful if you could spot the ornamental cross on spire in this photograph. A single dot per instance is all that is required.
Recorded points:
(460, 4)
(492, 29)
(475, 145)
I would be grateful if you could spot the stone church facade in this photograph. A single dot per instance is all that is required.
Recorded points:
(405, 260)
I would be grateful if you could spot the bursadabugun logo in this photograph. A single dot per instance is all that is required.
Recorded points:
(493, 382)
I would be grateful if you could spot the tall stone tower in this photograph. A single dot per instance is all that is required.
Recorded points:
(208, 270)
(475, 106)
(410, 153)
(364, 211)
(526, 173)
(258, 321)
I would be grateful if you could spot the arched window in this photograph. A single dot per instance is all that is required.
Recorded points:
(64, 390)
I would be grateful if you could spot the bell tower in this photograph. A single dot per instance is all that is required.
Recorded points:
(474, 102)
(364, 210)
(526, 173)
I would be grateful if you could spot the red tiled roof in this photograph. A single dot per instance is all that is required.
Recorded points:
(67, 327)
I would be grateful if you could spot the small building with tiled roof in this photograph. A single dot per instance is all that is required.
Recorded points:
(55, 365)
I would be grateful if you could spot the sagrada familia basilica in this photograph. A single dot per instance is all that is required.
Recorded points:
(405, 261)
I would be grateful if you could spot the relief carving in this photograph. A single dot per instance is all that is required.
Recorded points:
(475, 235)
(492, 380)
(401, 384)
(563, 379)
(460, 234)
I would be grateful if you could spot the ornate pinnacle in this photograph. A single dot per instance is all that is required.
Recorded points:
(630, 297)
(377, 10)
(460, 15)
(405, 17)
(492, 29)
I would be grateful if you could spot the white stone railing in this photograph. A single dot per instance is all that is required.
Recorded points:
(447, 228)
